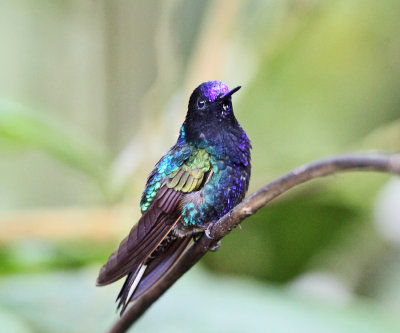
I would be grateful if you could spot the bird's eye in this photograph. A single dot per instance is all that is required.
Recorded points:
(201, 103)
(226, 106)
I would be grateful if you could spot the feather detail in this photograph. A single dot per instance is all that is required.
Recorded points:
(129, 288)
(175, 180)
(189, 176)
(182, 181)
(129, 256)
(188, 184)
(161, 264)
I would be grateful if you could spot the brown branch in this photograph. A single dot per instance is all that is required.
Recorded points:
(379, 162)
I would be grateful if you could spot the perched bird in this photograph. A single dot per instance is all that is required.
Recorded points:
(201, 178)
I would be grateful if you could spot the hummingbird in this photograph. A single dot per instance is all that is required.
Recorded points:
(200, 179)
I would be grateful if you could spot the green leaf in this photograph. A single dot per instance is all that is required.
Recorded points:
(29, 129)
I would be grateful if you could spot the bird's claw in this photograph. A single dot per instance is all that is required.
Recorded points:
(216, 246)
(207, 232)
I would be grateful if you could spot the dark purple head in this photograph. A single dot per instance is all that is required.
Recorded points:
(210, 110)
(211, 92)
(211, 124)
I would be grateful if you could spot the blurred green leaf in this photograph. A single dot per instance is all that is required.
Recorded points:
(28, 129)
(34, 256)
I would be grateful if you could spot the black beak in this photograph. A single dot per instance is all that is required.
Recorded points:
(231, 92)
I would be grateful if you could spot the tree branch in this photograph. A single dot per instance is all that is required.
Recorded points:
(378, 162)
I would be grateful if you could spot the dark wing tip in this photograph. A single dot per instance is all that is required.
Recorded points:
(105, 277)
(101, 279)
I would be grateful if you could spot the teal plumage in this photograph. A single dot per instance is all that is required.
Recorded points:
(168, 164)
(201, 178)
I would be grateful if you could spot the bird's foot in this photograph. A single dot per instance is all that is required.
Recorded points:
(215, 247)
(207, 232)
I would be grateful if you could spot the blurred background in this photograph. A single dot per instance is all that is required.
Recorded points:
(92, 93)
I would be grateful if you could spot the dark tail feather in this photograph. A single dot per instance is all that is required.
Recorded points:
(161, 264)
(123, 295)
(155, 269)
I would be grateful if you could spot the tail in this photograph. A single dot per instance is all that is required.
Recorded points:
(146, 275)
(129, 287)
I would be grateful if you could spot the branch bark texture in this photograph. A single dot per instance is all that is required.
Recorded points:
(377, 162)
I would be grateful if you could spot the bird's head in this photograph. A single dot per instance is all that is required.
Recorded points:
(210, 110)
